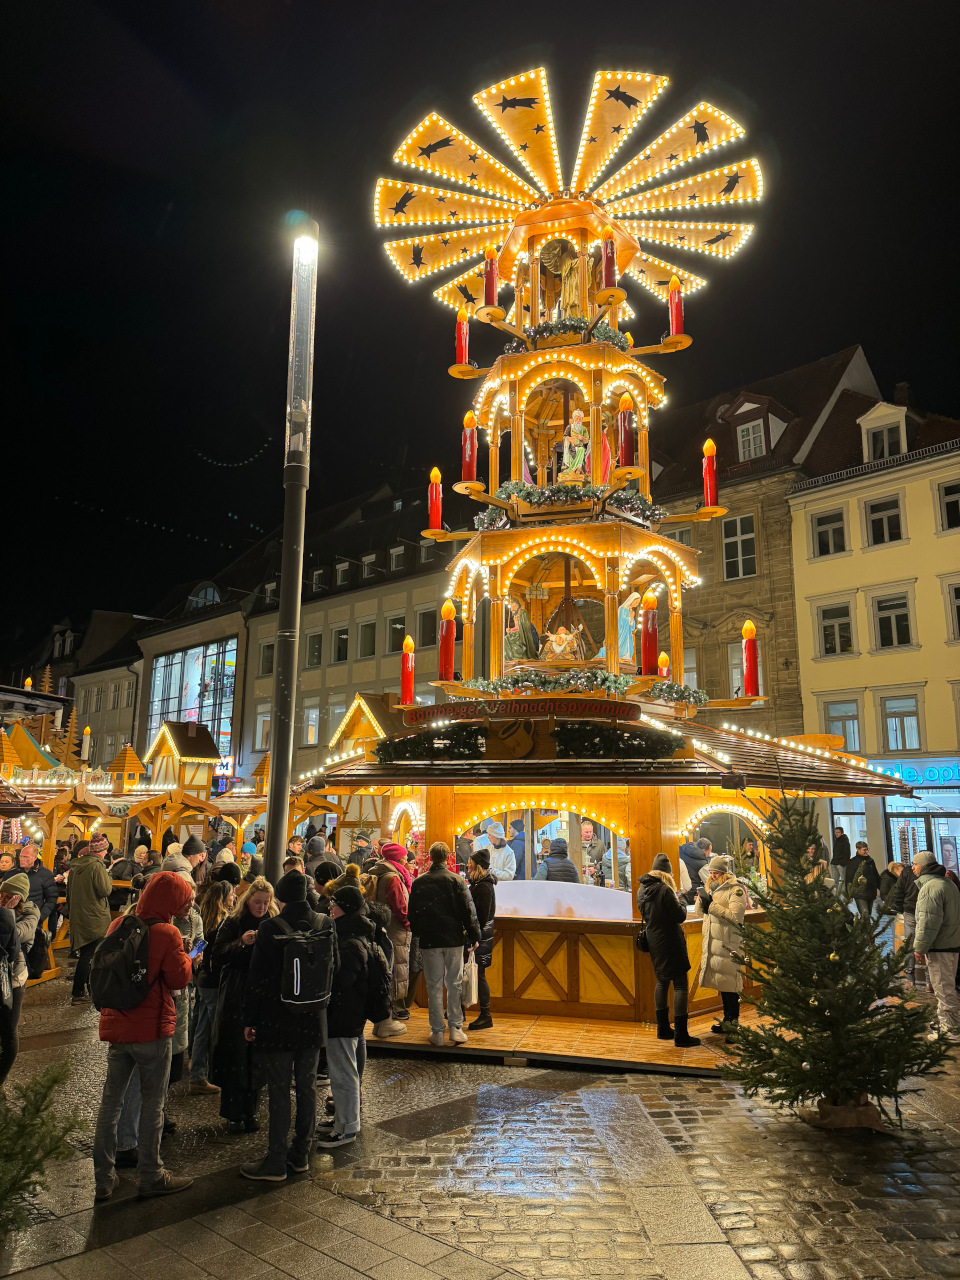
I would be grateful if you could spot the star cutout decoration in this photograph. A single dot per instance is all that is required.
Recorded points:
(673, 157)
(473, 157)
(524, 146)
(539, 128)
(463, 253)
(617, 128)
(690, 199)
(441, 199)
(453, 213)
(471, 177)
(444, 239)
(589, 140)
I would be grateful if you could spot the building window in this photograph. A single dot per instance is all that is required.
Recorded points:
(98, 698)
(366, 639)
(110, 748)
(203, 597)
(843, 719)
(883, 442)
(261, 741)
(128, 687)
(369, 566)
(883, 521)
(115, 696)
(93, 749)
(683, 536)
(735, 668)
(426, 550)
(828, 535)
(950, 505)
(67, 643)
(427, 629)
(836, 631)
(57, 645)
(311, 722)
(314, 649)
(317, 579)
(341, 643)
(739, 548)
(62, 686)
(343, 575)
(901, 724)
(893, 621)
(335, 712)
(266, 658)
(750, 439)
(195, 685)
(398, 504)
(269, 592)
(689, 667)
(396, 559)
(84, 700)
(955, 610)
(396, 632)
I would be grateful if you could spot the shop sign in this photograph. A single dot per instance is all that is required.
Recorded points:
(516, 708)
(932, 771)
(224, 768)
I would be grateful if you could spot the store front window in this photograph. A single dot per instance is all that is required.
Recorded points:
(850, 813)
(930, 819)
(195, 685)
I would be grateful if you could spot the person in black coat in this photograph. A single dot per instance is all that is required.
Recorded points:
(863, 879)
(286, 1036)
(9, 1018)
(663, 912)
(442, 916)
(695, 854)
(903, 901)
(483, 891)
(840, 856)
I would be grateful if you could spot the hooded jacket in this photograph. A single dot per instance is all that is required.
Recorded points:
(721, 936)
(862, 877)
(938, 912)
(393, 882)
(347, 1010)
(483, 891)
(694, 859)
(663, 914)
(88, 899)
(557, 866)
(841, 850)
(168, 966)
(904, 897)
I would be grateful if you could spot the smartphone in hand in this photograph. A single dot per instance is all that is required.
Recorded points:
(197, 949)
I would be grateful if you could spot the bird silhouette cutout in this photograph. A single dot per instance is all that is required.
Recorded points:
(467, 295)
(432, 147)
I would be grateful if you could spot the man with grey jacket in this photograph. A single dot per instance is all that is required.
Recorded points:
(938, 936)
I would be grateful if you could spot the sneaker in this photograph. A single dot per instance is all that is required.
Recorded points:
(128, 1159)
(80, 1000)
(260, 1171)
(201, 1087)
(167, 1184)
(402, 1013)
(457, 1035)
(436, 1039)
(323, 1082)
(104, 1193)
(335, 1139)
(389, 1028)
(297, 1163)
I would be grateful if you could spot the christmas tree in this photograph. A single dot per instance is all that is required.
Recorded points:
(837, 1029)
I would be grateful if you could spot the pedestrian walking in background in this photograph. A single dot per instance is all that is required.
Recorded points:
(89, 886)
(722, 911)
(663, 912)
(938, 936)
(863, 879)
(556, 865)
(44, 892)
(443, 918)
(840, 857)
(483, 891)
(903, 901)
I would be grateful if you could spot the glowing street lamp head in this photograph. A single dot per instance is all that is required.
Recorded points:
(305, 249)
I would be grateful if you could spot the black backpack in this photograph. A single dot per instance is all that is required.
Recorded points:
(118, 971)
(309, 959)
(379, 979)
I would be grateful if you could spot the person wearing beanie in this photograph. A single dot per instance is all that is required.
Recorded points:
(286, 1037)
(354, 985)
(937, 937)
(556, 865)
(229, 872)
(195, 852)
(391, 880)
(483, 891)
(177, 863)
(722, 909)
(663, 913)
(503, 862)
(443, 917)
(89, 886)
(316, 853)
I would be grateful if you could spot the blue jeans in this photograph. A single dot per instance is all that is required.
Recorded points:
(345, 1081)
(150, 1060)
(205, 1011)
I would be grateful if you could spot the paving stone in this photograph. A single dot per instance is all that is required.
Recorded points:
(699, 1262)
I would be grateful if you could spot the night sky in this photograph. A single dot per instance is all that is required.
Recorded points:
(150, 153)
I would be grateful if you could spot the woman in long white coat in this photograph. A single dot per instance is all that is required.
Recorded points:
(722, 909)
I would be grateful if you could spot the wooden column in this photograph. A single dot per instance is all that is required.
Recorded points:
(543, 456)
(496, 625)
(611, 605)
(533, 281)
(583, 277)
(596, 428)
(516, 435)
(643, 446)
(676, 644)
(466, 651)
(493, 465)
(643, 832)
(438, 816)
(574, 841)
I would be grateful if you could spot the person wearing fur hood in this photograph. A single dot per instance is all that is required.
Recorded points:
(722, 909)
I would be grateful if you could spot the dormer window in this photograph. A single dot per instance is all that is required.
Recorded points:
(750, 440)
(884, 431)
(269, 592)
(884, 442)
(343, 574)
(57, 645)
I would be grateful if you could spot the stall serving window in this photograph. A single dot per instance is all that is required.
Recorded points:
(195, 685)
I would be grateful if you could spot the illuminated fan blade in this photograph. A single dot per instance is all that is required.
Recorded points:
(654, 274)
(701, 130)
(733, 184)
(435, 146)
(519, 110)
(407, 204)
(723, 239)
(618, 102)
(421, 256)
(465, 290)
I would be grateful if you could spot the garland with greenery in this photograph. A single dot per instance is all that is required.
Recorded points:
(458, 742)
(571, 324)
(625, 501)
(588, 739)
(670, 691)
(630, 503)
(576, 680)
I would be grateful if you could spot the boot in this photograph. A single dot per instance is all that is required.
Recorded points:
(680, 1037)
(482, 1022)
(664, 1030)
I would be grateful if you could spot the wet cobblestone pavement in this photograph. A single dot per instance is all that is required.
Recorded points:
(475, 1171)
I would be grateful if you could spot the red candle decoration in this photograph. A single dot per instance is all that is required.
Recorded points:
(625, 441)
(751, 661)
(448, 634)
(468, 447)
(435, 501)
(406, 673)
(463, 336)
(649, 660)
(675, 306)
(491, 286)
(663, 669)
(609, 258)
(709, 474)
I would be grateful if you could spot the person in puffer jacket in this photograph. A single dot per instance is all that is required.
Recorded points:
(391, 887)
(483, 891)
(722, 911)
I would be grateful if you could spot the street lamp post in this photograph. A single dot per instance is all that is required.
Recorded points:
(296, 479)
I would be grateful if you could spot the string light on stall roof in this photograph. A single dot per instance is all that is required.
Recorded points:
(815, 751)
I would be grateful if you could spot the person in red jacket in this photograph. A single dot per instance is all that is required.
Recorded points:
(391, 888)
(141, 1039)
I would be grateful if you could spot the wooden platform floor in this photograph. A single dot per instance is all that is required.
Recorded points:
(627, 1046)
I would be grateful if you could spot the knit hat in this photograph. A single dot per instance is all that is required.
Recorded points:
(558, 847)
(361, 835)
(98, 844)
(923, 858)
(248, 847)
(717, 863)
(292, 887)
(177, 863)
(324, 872)
(20, 883)
(349, 899)
(481, 858)
(662, 863)
(174, 847)
(495, 831)
(229, 872)
(193, 847)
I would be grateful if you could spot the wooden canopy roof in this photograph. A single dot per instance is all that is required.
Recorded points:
(188, 741)
(126, 761)
(8, 753)
(13, 802)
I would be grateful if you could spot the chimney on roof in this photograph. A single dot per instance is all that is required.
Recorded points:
(390, 700)
(901, 394)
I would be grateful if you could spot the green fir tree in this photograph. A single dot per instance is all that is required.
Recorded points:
(839, 1027)
(31, 1133)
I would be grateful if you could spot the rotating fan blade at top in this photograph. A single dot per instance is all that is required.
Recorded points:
(733, 184)
(435, 146)
(408, 204)
(618, 102)
(519, 110)
(420, 256)
(722, 239)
